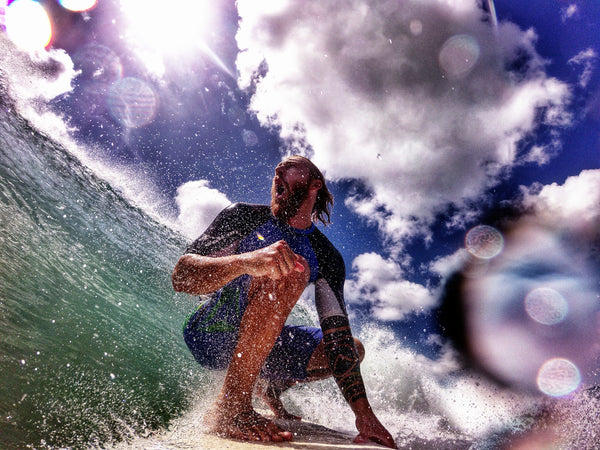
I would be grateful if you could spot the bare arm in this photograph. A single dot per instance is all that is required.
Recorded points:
(197, 275)
(345, 366)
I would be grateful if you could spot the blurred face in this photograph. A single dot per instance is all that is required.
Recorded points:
(290, 189)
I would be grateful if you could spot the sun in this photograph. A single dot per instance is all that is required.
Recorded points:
(166, 34)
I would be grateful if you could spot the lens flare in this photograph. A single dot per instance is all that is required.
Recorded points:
(99, 63)
(536, 301)
(416, 27)
(78, 5)
(546, 306)
(484, 242)
(28, 25)
(132, 102)
(249, 137)
(3, 6)
(458, 56)
(558, 377)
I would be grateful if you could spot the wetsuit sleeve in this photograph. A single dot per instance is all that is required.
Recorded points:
(343, 357)
(232, 224)
(337, 337)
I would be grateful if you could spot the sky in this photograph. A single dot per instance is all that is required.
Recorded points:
(426, 116)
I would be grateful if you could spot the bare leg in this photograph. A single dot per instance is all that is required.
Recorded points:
(269, 304)
(317, 369)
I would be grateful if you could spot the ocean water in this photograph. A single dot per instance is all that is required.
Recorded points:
(91, 354)
(90, 347)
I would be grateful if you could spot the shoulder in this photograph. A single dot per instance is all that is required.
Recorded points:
(230, 226)
(325, 250)
(245, 211)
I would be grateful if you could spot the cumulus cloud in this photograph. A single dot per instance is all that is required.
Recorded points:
(198, 205)
(378, 284)
(574, 205)
(422, 101)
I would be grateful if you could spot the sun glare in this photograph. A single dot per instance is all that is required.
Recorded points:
(28, 25)
(78, 5)
(168, 31)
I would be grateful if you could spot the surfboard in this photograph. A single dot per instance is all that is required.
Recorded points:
(307, 436)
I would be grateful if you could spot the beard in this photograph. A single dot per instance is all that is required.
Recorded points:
(287, 206)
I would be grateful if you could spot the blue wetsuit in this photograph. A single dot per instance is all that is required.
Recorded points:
(211, 331)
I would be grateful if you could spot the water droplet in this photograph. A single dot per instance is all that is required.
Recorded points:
(132, 102)
(249, 137)
(458, 56)
(484, 242)
(558, 377)
(416, 27)
(546, 306)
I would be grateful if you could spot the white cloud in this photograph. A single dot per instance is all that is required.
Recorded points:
(367, 84)
(198, 205)
(446, 265)
(574, 205)
(568, 12)
(586, 59)
(378, 284)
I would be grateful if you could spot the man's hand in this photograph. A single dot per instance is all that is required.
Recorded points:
(275, 261)
(370, 429)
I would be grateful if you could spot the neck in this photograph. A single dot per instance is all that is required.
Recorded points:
(300, 222)
(303, 217)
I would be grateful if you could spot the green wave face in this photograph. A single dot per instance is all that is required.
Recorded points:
(90, 339)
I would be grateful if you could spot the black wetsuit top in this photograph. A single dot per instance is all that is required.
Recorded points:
(242, 228)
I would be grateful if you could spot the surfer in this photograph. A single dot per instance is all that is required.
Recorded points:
(253, 263)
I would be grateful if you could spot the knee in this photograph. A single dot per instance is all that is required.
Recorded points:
(286, 290)
(360, 349)
(295, 282)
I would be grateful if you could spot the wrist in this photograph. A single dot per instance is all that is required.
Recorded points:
(243, 264)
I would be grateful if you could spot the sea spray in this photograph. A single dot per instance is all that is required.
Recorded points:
(424, 403)
(90, 346)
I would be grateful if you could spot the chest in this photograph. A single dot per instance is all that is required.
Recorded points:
(270, 232)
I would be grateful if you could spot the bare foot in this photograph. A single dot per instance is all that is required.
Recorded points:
(246, 425)
(270, 392)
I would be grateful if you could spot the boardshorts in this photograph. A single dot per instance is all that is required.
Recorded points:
(287, 361)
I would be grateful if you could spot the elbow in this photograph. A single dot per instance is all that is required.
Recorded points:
(177, 281)
(180, 275)
(189, 276)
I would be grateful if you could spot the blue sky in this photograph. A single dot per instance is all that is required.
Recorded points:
(423, 114)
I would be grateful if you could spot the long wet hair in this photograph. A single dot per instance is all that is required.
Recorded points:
(324, 202)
